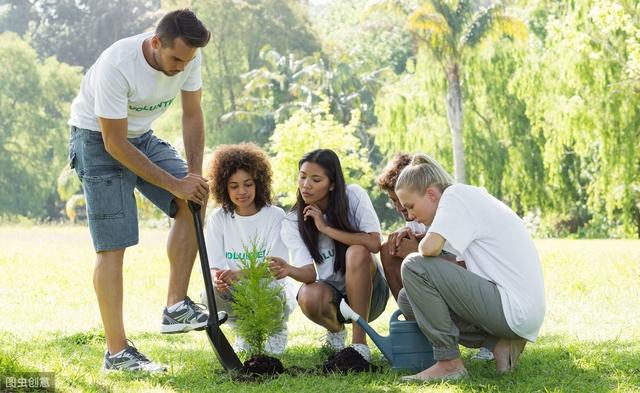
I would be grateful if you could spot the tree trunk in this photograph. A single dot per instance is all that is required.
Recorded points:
(454, 115)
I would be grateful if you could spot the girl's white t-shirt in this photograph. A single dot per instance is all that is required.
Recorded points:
(362, 216)
(227, 236)
(416, 227)
(121, 84)
(495, 244)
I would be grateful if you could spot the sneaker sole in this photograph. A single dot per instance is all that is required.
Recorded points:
(120, 370)
(182, 327)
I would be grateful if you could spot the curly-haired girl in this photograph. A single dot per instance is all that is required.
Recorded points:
(240, 181)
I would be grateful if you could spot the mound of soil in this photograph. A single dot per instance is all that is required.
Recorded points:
(263, 365)
(347, 360)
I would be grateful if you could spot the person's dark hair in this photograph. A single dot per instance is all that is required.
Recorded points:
(227, 159)
(337, 214)
(389, 176)
(184, 24)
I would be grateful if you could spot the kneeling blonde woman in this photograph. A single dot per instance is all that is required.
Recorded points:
(497, 302)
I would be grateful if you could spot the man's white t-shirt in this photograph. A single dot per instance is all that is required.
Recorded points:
(226, 238)
(495, 244)
(121, 84)
(362, 217)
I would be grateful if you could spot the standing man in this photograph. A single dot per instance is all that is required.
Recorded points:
(113, 151)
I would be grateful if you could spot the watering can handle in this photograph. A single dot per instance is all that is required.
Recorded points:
(395, 315)
(347, 312)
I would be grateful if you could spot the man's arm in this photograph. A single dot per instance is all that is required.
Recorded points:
(193, 129)
(114, 133)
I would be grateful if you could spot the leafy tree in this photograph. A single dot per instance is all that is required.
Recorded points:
(503, 154)
(77, 31)
(240, 30)
(287, 83)
(34, 106)
(306, 131)
(15, 15)
(583, 104)
(410, 113)
(378, 42)
(450, 29)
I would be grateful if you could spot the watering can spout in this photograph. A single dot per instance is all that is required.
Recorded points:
(383, 343)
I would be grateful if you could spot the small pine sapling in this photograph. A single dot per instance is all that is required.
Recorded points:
(258, 300)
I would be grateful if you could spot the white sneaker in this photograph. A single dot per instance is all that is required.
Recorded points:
(241, 346)
(335, 341)
(363, 350)
(483, 354)
(277, 343)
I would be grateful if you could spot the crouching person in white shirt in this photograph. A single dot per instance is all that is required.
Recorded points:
(497, 302)
(405, 241)
(331, 234)
(240, 181)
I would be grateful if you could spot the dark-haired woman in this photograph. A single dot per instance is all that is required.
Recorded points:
(331, 234)
(240, 180)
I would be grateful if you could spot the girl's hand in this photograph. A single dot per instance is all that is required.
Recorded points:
(313, 212)
(218, 283)
(279, 267)
(223, 279)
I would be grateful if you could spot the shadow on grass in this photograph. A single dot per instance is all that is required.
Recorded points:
(554, 363)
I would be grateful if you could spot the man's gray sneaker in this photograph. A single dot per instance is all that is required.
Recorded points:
(186, 317)
(131, 360)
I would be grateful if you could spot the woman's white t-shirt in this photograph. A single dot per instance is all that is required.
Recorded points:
(495, 244)
(362, 216)
(121, 84)
(227, 236)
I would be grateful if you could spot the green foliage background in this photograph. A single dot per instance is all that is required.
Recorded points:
(551, 123)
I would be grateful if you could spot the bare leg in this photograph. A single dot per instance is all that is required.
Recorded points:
(360, 271)
(315, 302)
(391, 265)
(506, 352)
(182, 250)
(107, 282)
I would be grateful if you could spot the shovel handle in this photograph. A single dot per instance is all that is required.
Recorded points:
(204, 263)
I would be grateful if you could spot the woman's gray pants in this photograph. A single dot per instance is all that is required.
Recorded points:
(451, 305)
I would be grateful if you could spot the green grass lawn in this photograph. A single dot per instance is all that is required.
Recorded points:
(590, 341)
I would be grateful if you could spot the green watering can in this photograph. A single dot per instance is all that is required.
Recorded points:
(406, 348)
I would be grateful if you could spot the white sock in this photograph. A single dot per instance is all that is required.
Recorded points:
(175, 306)
(363, 350)
(117, 354)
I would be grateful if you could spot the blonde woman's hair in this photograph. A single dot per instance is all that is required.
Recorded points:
(423, 172)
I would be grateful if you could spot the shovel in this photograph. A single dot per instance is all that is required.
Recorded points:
(224, 352)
